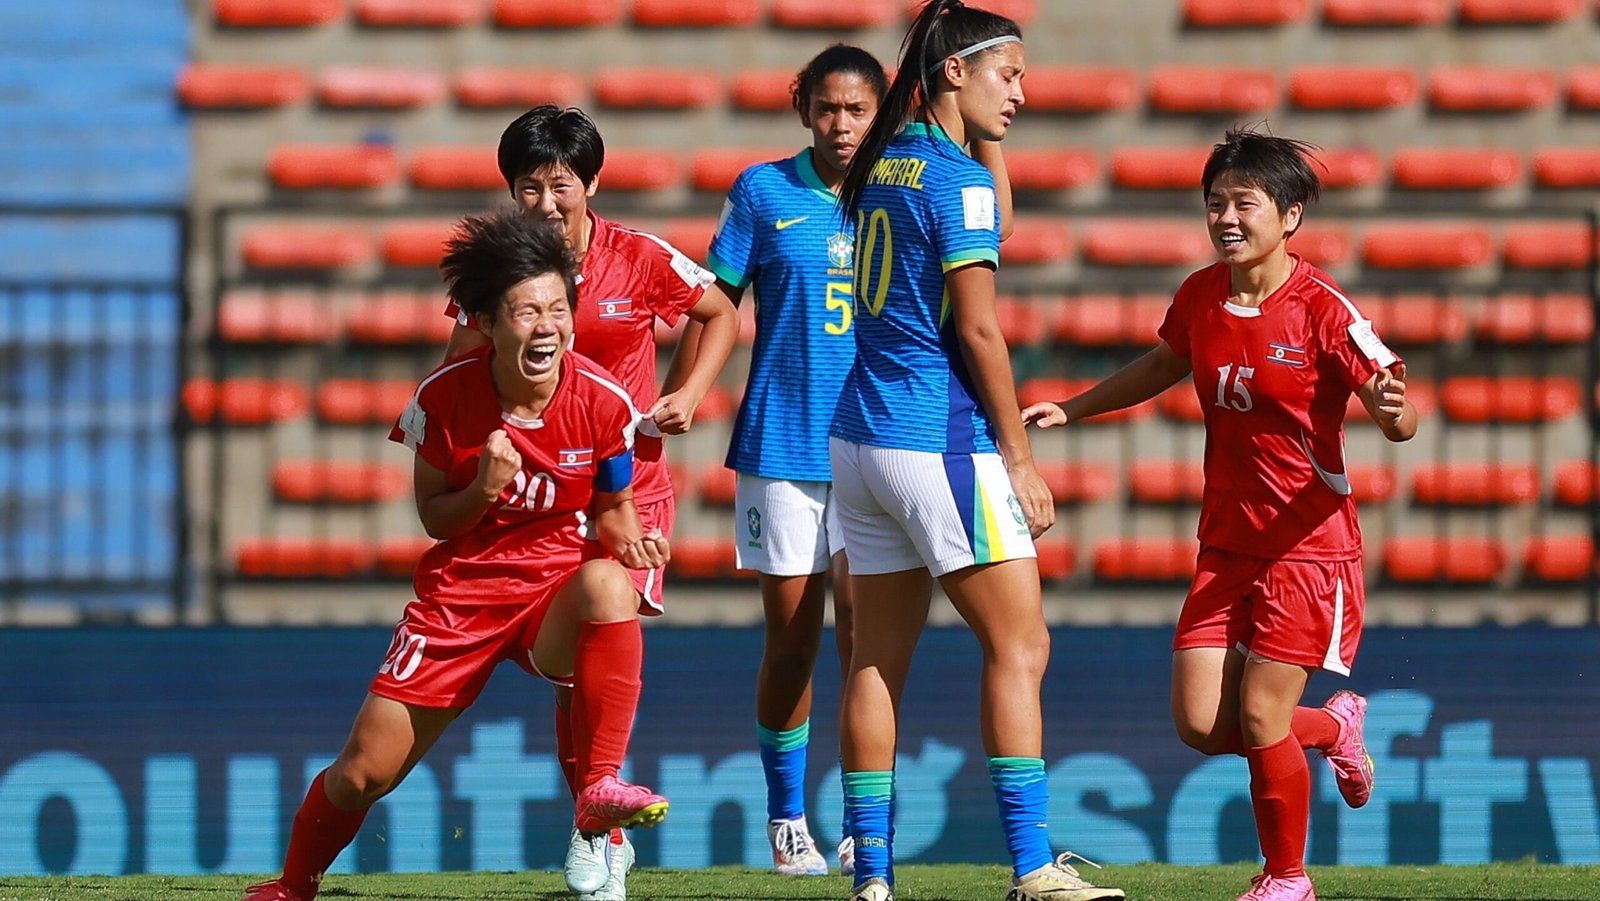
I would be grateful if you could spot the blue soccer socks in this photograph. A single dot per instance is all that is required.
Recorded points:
(1023, 794)
(783, 760)
(869, 809)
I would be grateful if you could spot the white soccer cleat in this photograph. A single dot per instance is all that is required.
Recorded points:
(794, 852)
(588, 863)
(616, 887)
(1059, 881)
(873, 889)
(847, 856)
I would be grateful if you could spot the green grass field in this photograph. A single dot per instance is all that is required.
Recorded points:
(1154, 882)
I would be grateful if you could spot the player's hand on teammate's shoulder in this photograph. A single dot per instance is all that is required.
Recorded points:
(1038, 506)
(1044, 415)
(674, 413)
(499, 463)
(649, 551)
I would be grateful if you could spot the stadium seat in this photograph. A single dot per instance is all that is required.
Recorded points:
(1159, 168)
(1057, 558)
(1352, 167)
(1351, 87)
(1107, 320)
(1427, 245)
(718, 405)
(398, 556)
(331, 166)
(220, 86)
(1385, 12)
(1371, 483)
(1051, 170)
(702, 558)
(420, 13)
(695, 13)
(1212, 89)
(1322, 243)
(344, 401)
(1054, 390)
(1035, 240)
(717, 485)
(1080, 89)
(456, 169)
(307, 246)
(1567, 167)
(1517, 12)
(1575, 483)
(244, 400)
(1146, 242)
(1479, 484)
(311, 481)
(641, 170)
(764, 89)
(1414, 319)
(833, 14)
(1583, 87)
(1524, 319)
(655, 88)
(303, 558)
(1024, 322)
(277, 13)
(1490, 88)
(716, 169)
(416, 242)
(1242, 13)
(1455, 168)
(1180, 404)
(499, 87)
(1145, 559)
(248, 316)
(1166, 481)
(379, 87)
(556, 13)
(1077, 483)
(1425, 559)
(692, 236)
(399, 317)
(1524, 399)
(1558, 558)
(1548, 245)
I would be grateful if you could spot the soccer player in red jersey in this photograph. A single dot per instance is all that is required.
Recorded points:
(523, 471)
(1276, 349)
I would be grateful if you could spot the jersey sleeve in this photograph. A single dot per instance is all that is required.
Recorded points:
(676, 282)
(1175, 325)
(614, 419)
(732, 257)
(965, 218)
(1352, 349)
(421, 428)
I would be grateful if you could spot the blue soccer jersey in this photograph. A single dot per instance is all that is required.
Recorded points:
(927, 208)
(782, 231)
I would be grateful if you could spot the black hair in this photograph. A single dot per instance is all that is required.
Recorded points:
(941, 28)
(546, 135)
(491, 253)
(1279, 167)
(840, 58)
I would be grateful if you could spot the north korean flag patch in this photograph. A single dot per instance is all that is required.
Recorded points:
(575, 456)
(615, 308)
(1288, 356)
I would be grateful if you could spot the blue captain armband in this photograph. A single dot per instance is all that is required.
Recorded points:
(615, 473)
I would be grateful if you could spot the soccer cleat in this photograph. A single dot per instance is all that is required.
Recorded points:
(873, 889)
(609, 803)
(847, 856)
(1352, 765)
(1059, 881)
(616, 885)
(1279, 888)
(271, 891)
(588, 863)
(794, 852)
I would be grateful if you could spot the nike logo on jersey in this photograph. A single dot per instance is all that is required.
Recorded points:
(785, 223)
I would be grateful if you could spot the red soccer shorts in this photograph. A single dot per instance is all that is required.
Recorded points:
(1304, 612)
(661, 515)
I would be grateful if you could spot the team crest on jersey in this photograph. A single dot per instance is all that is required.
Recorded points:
(1288, 356)
(752, 523)
(615, 308)
(1016, 509)
(842, 251)
(576, 456)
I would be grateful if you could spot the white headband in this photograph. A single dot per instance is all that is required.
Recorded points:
(981, 45)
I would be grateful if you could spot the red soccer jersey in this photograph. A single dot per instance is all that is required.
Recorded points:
(629, 279)
(1275, 382)
(582, 441)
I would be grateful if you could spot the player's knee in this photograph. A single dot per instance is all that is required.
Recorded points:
(608, 592)
(356, 784)
(1026, 655)
(1203, 737)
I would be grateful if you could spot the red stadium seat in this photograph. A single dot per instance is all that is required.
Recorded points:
(218, 86)
(691, 236)
(1055, 390)
(379, 87)
(1423, 559)
(1106, 320)
(1159, 168)
(1322, 243)
(1024, 322)
(1212, 89)
(1051, 170)
(1037, 239)
(764, 89)
(245, 400)
(1372, 483)
(1575, 483)
(399, 317)
(1166, 481)
(310, 481)
(1455, 168)
(1414, 319)
(1558, 558)
(1078, 483)
(1386, 12)
(1583, 87)
(332, 166)
(303, 558)
(1490, 88)
(1351, 87)
(1475, 484)
(1567, 167)
(307, 246)
(399, 556)
(1146, 242)
(716, 170)
(416, 242)
(1425, 245)
(363, 401)
(1523, 319)
(1353, 167)
(1242, 13)
(420, 13)
(277, 13)
(702, 558)
(257, 317)
(1019, 11)
(1057, 558)
(641, 170)
(1145, 559)
(1518, 12)
(1180, 404)
(695, 13)
(486, 87)
(717, 485)
(1510, 398)
(717, 406)
(1080, 89)
(1548, 245)
(556, 13)
(654, 88)
(456, 169)
(833, 14)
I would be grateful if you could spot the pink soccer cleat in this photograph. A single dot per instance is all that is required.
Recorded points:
(272, 891)
(1352, 765)
(1264, 887)
(609, 803)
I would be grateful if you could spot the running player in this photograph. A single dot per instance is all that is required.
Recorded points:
(932, 470)
(1276, 350)
(524, 461)
(551, 159)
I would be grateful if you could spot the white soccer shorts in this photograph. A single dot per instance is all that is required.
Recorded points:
(784, 527)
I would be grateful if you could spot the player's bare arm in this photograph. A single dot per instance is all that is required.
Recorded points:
(1157, 370)
(619, 531)
(448, 513)
(1384, 396)
(707, 347)
(988, 153)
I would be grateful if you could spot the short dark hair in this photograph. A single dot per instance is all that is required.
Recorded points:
(491, 253)
(547, 135)
(1280, 167)
(839, 58)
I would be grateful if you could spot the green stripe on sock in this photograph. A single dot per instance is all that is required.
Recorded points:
(787, 740)
(1015, 763)
(872, 785)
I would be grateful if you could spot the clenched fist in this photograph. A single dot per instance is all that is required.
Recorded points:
(649, 552)
(498, 465)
